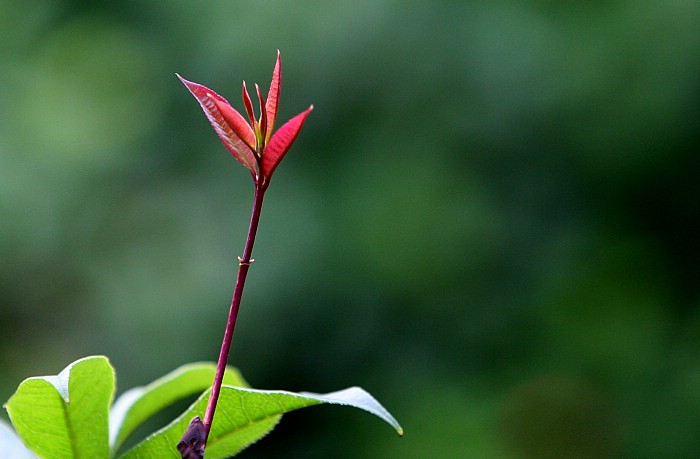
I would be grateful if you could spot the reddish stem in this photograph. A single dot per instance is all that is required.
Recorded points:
(243, 265)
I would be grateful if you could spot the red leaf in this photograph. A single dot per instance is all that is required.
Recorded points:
(234, 132)
(280, 142)
(273, 97)
(248, 106)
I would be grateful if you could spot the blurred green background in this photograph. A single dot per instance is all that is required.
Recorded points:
(489, 221)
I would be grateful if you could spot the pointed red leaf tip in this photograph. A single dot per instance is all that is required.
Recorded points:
(233, 130)
(273, 97)
(281, 141)
(248, 106)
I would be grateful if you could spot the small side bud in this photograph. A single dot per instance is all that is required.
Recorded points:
(192, 443)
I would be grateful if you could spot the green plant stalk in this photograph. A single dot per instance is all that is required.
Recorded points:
(244, 263)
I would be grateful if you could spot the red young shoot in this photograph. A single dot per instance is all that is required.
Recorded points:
(260, 150)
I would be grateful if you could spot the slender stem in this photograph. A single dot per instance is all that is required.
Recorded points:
(243, 265)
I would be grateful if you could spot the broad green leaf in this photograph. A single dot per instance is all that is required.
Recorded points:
(66, 415)
(243, 416)
(359, 398)
(11, 445)
(137, 405)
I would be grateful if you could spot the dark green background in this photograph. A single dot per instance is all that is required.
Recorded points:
(489, 221)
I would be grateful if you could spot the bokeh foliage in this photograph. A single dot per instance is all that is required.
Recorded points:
(489, 221)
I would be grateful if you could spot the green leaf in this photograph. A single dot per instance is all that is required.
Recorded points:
(66, 415)
(137, 405)
(244, 416)
(11, 445)
(359, 398)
